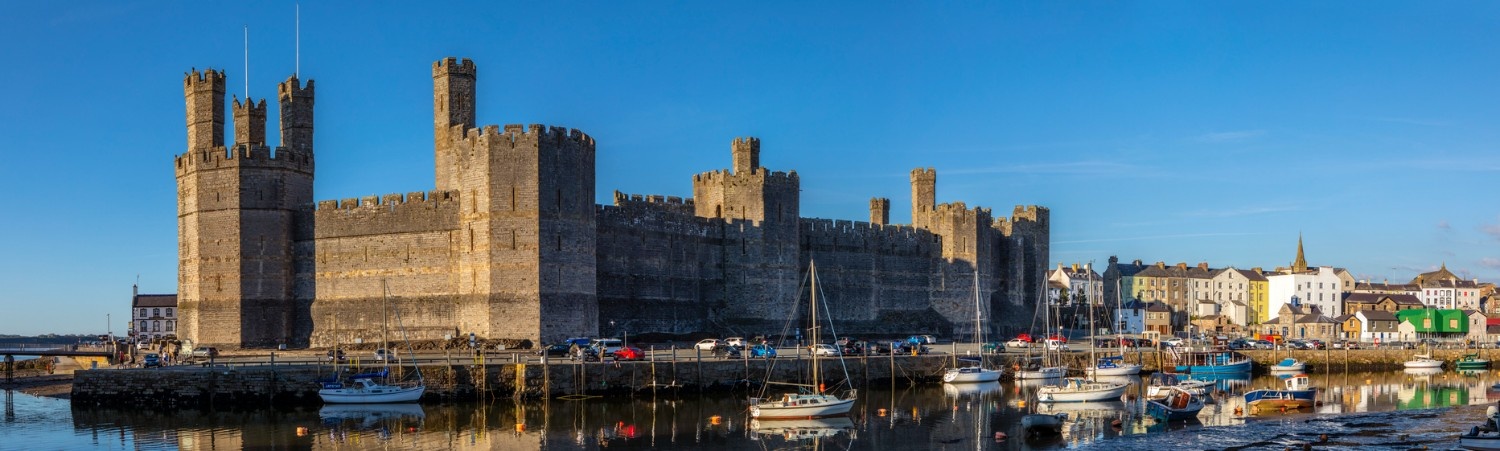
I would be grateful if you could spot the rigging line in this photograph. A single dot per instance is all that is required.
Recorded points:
(834, 332)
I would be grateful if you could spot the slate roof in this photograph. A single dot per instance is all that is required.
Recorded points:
(154, 300)
(1374, 298)
(1378, 315)
(1157, 307)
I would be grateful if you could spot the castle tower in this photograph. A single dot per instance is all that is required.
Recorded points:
(762, 221)
(205, 109)
(249, 122)
(746, 155)
(1300, 264)
(923, 196)
(452, 105)
(880, 211)
(296, 107)
(237, 212)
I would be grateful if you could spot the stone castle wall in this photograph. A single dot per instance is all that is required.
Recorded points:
(512, 245)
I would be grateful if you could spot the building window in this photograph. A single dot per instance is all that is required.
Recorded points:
(155, 312)
(143, 326)
(171, 324)
(156, 326)
(143, 313)
(169, 315)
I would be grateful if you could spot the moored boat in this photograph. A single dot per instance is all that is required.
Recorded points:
(1421, 361)
(363, 389)
(1113, 365)
(1212, 362)
(1485, 437)
(1178, 405)
(976, 373)
(1297, 393)
(1472, 362)
(1046, 372)
(1043, 423)
(1077, 389)
(1162, 384)
(811, 400)
(1289, 365)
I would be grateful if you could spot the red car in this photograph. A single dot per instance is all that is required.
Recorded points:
(1025, 338)
(630, 353)
(1059, 338)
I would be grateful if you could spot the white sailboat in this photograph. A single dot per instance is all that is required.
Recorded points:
(1112, 365)
(976, 373)
(363, 388)
(1048, 369)
(1077, 389)
(810, 400)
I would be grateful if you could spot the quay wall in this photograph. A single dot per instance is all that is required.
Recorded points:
(284, 385)
(1318, 361)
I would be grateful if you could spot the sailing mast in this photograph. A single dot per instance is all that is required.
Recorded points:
(817, 384)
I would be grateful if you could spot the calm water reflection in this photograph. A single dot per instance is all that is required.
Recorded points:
(935, 417)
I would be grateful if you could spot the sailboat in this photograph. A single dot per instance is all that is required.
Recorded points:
(1112, 365)
(976, 373)
(810, 400)
(364, 388)
(1077, 389)
(1042, 371)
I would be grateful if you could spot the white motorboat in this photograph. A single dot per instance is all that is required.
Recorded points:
(1485, 437)
(1423, 361)
(811, 400)
(1113, 366)
(1289, 365)
(364, 390)
(1077, 389)
(1162, 384)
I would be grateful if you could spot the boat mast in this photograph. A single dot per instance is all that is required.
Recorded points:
(385, 320)
(1088, 296)
(978, 323)
(817, 384)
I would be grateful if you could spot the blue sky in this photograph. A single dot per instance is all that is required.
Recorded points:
(1160, 131)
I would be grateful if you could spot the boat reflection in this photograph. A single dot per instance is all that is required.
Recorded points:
(1081, 410)
(1422, 372)
(971, 389)
(370, 415)
(807, 429)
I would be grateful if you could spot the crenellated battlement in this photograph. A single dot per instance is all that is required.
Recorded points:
(769, 177)
(240, 156)
(1034, 213)
(517, 135)
(209, 79)
(249, 105)
(884, 239)
(960, 210)
(292, 88)
(924, 174)
(452, 65)
(416, 198)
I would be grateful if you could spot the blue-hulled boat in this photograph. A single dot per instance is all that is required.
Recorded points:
(1178, 405)
(1298, 393)
(1212, 362)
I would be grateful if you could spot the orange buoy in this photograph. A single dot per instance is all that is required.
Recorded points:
(714, 420)
(301, 431)
(880, 412)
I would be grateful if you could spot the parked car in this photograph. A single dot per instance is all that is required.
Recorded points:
(607, 346)
(152, 360)
(922, 339)
(1172, 342)
(1018, 343)
(1317, 344)
(1026, 338)
(580, 341)
(708, 344)
(735, 341)
(729, 352)
(824, 350)
(992, 347)
(334, 355)
(1264, 344)
(1059, 338)
(850, 347)
(1106, 343)
(879, 348)
(629, 353)
(762, 350)
(205, 352)
(1298, 344)
(1240, 344)
(557, 350)
(1346, 345)
(382, 355)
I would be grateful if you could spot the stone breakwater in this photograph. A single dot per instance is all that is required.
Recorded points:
(289, 385)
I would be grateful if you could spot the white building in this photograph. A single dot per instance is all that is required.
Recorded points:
(1131, 317)
(1319, 286)
(152, 316)
(1442, 289)
(1081, 281)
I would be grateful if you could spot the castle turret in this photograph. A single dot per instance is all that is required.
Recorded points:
(249, 122)
(452, 105)
(205, 109)
(296, 103)
(880, 211)
(746, 155)
(923, 196)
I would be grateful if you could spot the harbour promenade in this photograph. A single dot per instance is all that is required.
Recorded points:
(292, 381)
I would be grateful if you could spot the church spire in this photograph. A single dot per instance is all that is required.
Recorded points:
(1300, 264)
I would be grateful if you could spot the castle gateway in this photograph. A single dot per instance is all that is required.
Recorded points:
(510, 244)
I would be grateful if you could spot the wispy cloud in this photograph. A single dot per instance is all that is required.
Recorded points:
(1094, 167)
(1157, 237)
(1491, 229)
(1490, 262)
(1225, 137)
(1243, 211)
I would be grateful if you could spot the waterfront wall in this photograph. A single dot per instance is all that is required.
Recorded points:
(1319, 361)
(295, 385)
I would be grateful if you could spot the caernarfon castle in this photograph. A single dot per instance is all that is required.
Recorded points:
(510, 243)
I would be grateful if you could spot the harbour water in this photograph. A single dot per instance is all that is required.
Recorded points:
(1358, 410)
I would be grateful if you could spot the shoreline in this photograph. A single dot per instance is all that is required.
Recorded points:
(59, 386)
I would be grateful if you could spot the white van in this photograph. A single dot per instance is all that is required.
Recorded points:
(607, 346)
